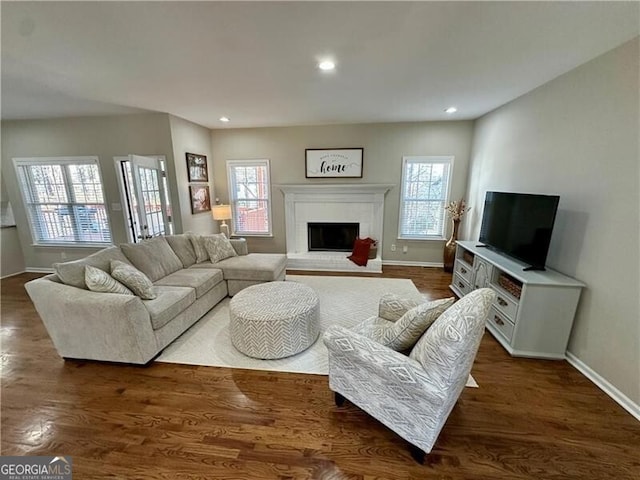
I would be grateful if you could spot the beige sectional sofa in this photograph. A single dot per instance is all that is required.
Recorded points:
(85, 324)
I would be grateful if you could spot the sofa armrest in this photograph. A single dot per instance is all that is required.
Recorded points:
(362, 358)
(95, 326)
(240, 245)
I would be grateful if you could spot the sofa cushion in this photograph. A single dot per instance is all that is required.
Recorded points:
(100, 281)
(218, 247)
(392, 307)
(133, 279)
(239, 245)
(153, 257)
(72, 273)
(200, 279)
(169, 303)
(263, 267)
(403, 334)
(183, 248)
(198, 247)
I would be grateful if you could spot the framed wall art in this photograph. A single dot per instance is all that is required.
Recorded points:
(200, 198)
(197, 168)
(333, 162)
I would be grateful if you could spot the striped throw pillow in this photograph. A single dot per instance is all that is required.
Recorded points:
(100, 281)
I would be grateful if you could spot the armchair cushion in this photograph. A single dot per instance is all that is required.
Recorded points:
(403, 334)
(392, 307)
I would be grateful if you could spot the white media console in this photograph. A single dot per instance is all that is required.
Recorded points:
(534, 310)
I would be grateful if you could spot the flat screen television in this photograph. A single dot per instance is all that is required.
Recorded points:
(519, 225)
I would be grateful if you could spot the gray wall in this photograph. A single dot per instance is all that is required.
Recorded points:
(577, 136)
(105, 137)
(384, 146)
(192, 138)
(12, 259)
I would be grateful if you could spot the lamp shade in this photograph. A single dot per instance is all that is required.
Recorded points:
(221, 212)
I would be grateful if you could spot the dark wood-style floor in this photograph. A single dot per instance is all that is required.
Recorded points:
(530, 419)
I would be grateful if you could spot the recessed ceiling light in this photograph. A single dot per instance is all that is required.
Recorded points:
(326, 65)
(224, 119)
(451, 110)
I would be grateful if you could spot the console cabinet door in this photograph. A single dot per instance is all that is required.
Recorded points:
(483, 273)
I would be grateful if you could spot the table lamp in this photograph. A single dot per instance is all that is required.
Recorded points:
(222, 212)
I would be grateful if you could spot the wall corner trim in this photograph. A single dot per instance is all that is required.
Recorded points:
(604, 385)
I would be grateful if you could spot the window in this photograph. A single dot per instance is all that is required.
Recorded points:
(250, 197)
(425, 191)
(64, 200)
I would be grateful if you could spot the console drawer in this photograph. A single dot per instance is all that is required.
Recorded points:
(501, 323)
(506, 304)
(463, 271)
(461, 284)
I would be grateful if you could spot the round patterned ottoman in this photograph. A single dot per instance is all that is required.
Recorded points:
(274, 320)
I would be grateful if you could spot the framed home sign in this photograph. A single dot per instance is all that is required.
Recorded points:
(197, 168)
(333, 162)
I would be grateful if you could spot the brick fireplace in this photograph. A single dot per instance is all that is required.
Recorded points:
(361, 204)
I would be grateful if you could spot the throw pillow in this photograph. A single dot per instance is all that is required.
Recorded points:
(392, 307)
(100, 281)
(360, 254)
(218, 247)
(403, 334)
(198, 247)
(134, 279)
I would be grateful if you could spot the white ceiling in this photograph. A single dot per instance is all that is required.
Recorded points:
(255, 62)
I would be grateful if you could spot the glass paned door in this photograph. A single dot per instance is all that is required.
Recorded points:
(147, 197)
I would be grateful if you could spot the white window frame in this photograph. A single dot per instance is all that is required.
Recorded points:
(233, 199)
(81, 160)
(445, 159)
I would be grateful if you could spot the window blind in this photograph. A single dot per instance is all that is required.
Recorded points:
(249, 188)
(425, 191)
(64, 200)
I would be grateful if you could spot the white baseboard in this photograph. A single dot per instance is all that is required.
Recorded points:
(408, 263)
(39, 270)
(12, 274)
(619, 397)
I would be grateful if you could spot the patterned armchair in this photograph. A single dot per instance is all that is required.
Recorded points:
(412, 395)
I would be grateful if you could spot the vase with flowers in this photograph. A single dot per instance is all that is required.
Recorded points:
(455, 210)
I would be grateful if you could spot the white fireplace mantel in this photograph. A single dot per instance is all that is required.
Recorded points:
(345, 202)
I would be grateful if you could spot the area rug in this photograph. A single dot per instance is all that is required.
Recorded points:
(344, 301)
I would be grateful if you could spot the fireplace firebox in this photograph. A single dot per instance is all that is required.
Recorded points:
(332, 237)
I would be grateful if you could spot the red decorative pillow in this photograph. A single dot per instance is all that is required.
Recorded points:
(360, 253)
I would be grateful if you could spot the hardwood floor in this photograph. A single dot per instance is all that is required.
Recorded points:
(530, 419)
